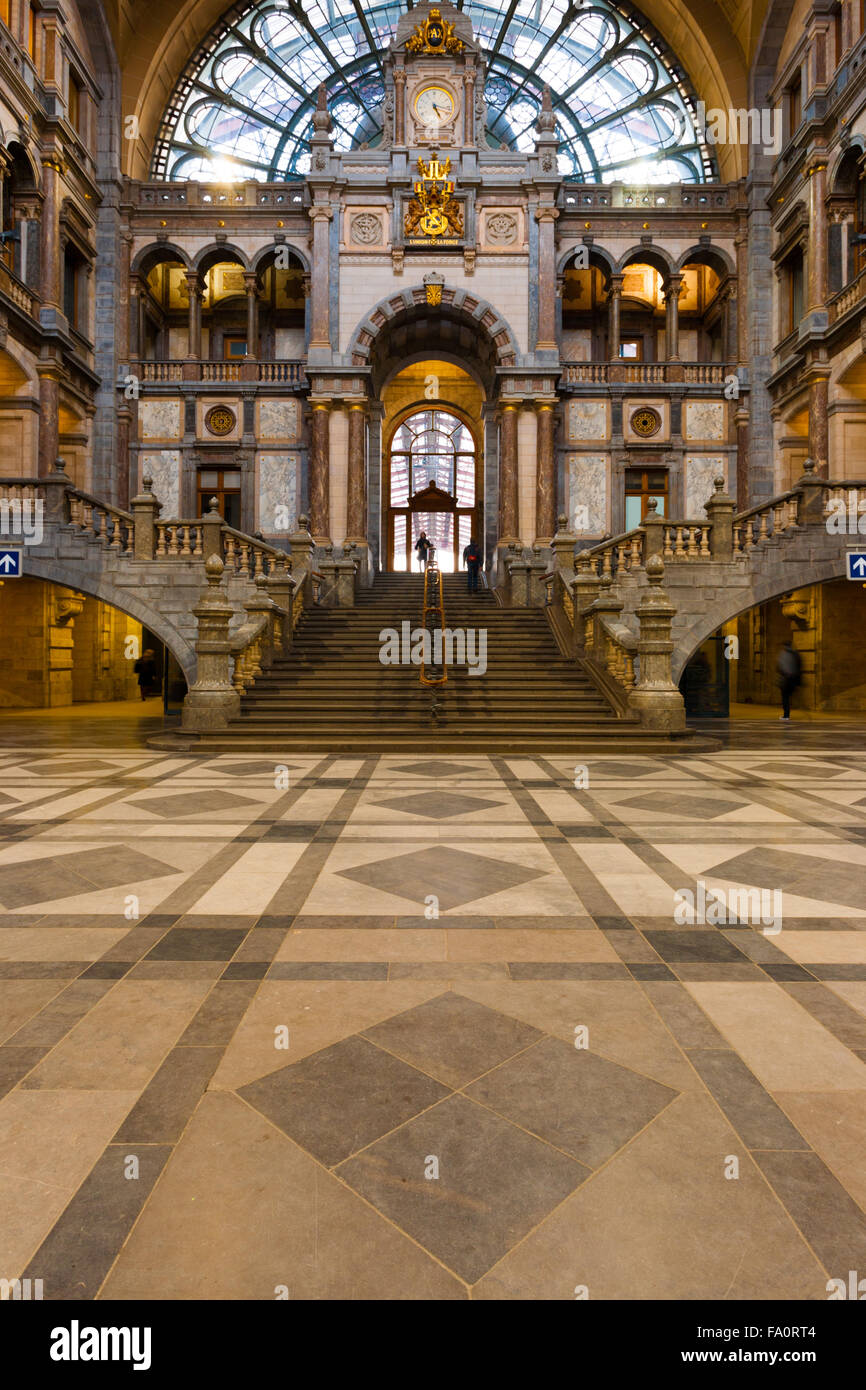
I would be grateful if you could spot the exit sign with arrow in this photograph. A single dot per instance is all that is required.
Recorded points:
(856, 560)
(10, 563)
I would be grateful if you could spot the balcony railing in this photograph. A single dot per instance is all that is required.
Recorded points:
(282, 370)
(644, 373)
(846, 299)
(16, 290)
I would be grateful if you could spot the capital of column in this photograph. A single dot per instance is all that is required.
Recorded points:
(546, 214)
(673, 286)
(320, 213)
(615, 285)
(194, 283)
(251, 282)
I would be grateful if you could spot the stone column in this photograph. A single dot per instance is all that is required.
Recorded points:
(613, 307)
(49, 417)
(818, 419)
(816, 172)
(655, 699)
(320, 283)
(546, 335)
(51, 269)
(320, 464)
(251, 285)
(545, 482)
(469, 106)
(356, 504)
(136, 342)
(399, 106)
(196, 289)
(672, 290)
(508, 475)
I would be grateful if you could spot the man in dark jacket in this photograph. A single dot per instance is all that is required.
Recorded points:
(789, 673)
(472, 561)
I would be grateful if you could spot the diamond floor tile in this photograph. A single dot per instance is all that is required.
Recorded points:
(453, 1038)
(455, 876)
(435, 805)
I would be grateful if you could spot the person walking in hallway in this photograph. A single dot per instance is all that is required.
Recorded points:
(423, 546)
(472, 561)
(789, 673)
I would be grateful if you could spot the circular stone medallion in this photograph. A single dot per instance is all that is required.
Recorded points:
(646, 422)
(220, 420)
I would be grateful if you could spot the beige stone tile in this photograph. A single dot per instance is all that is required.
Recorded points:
(248, 886)
(316, 1014)
(58, 943)
(240, 1210)
(622, 1024)
(786, 1048)
(829, 947)
(120, 1043)
(21, 999)
(49, 1141)
(852, 991)
(410, 944)
(834, 1123)
(536, 944)
(660, 1220)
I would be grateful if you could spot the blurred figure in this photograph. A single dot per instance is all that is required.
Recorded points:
(148, 675)
(472, 561)
(789, 673)
(423, 546)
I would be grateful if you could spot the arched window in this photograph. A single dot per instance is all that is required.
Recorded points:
(243, 107)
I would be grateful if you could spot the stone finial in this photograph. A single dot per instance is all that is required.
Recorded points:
(303, 523)
(562, 522)
(652, 506)
(214, 505)
(655, 569)
(147, 484)
(809, 466)
(261, 582)
(719, 483)
(213, 568)
(60, 466)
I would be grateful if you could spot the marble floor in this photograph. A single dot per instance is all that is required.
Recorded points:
(432, 1027)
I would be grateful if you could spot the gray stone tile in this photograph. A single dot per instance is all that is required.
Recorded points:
(495, 1183)
(691, 945)
(67, 875)
(438, 805)
(453, 1038)
(164, 1107)
(339, 1100)
(829, 1218)
(198, 803)
(455, 876)
(437, 768)
(751, 1110)
(197, 943)
(682, 804)
(573, 1099)
(219, 1015)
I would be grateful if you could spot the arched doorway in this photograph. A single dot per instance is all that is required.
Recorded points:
(432, 485)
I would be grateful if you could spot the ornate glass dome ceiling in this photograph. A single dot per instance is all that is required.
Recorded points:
(243, 107)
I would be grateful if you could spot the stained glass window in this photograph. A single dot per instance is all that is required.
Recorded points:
(433, 447)
(243, 107)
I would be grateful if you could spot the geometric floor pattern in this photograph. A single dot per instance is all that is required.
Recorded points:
(432, 1028)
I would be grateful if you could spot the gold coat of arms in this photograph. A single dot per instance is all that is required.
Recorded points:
(434, 211)
(435, 35)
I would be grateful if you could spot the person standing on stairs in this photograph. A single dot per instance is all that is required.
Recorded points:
(423, 546)
(472, 561)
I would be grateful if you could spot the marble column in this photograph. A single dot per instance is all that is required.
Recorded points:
(817, 175)
(546, 336)
(320, 464)
(356, 504)
(672, 290)
(469, 106)
(251, 285)
(320, 281)
(614, 303)
(742, 245)
(399, 106)
(195, 288)
(819, 420)
(49, 418)
(545, 484)
(136, 342)
(508, 474)
(51, 269)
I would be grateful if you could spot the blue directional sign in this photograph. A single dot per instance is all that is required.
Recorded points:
(10, 562)
(857, 565)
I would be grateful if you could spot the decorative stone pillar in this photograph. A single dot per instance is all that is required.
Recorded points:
(320, 464)
(145, 510)
(672, 290)
(816, 172)
(51, 269)
(818, 379)
(356, 503)
(136, 340)
(614, 303)
(251, 285)
(49, 417)
(399, 106)
(469, 106)
(545, 483)
(655, 699)
(320, 283)
(508, 475)
(720, 513)
(546, 335)
(212, 700)
(196, 290)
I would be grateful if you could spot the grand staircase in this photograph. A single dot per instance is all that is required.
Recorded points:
(332, 693)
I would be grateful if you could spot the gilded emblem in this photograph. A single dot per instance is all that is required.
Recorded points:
(434, 211)
(435, 35)
(646, 422)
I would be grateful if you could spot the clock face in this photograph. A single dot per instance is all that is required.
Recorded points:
(434, 106)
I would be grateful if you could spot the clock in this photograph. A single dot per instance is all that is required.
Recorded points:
(433, 107)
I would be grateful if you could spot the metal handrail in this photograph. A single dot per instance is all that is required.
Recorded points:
(433, 616)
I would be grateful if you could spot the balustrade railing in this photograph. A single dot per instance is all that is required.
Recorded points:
(16, 290)
(765, 522)
(644, 373)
